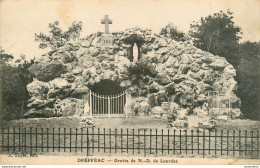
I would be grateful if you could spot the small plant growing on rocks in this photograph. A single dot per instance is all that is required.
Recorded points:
(140, 70)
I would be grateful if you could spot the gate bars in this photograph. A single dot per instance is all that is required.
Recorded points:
(106, 105)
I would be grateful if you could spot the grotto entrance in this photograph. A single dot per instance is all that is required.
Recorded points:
(107, 87)
(135, 41)
(107, 99)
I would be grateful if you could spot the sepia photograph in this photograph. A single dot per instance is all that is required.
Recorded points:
(127, 82)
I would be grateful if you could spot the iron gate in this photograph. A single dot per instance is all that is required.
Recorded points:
(106, 105)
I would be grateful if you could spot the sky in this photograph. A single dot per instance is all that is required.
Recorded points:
(21, 19)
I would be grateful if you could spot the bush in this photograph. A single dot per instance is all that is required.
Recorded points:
(139, 71)
(172, 32)
(13, 91)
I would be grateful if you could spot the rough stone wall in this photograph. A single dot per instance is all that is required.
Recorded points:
(178, 73)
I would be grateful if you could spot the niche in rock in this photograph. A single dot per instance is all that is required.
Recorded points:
(107, 87)
(135, 41)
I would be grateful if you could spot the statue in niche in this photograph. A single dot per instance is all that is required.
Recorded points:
(135, 42)
(135, 53)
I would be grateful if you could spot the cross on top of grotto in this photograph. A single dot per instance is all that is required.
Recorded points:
(106, 22)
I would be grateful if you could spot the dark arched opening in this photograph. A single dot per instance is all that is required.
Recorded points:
(107, 87)
(108, 99)
(131, 40)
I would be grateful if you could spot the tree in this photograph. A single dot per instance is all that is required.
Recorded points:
(171, 31)
(217, 34)
(57, 37)
(4, 58)
(13, 91)
(248, 78)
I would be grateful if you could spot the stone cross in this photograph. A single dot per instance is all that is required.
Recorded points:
(106, 21)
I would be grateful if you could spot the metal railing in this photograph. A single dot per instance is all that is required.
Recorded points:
(92, 141)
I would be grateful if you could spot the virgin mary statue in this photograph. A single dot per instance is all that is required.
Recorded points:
(135, 53)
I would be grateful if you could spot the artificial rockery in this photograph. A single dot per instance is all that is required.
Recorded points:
(166, 71)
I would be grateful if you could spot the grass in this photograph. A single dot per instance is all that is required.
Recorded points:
(131, 122)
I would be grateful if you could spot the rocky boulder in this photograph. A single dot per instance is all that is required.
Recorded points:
(67, 107)
(80, 91)
(236, 114)
(179, 124)
(47, 71)
(38, 103)
(65, 56)
(223, 117)
(182, 113)
(219, 64)
(78, 70)
(162, 79)
(144, 108)
(69, 77)
(41, 113)
(207, 123)
(94, 51)
(154, 88)
(59, 83)
(157, 111)
(38, 89)
(200, 112)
